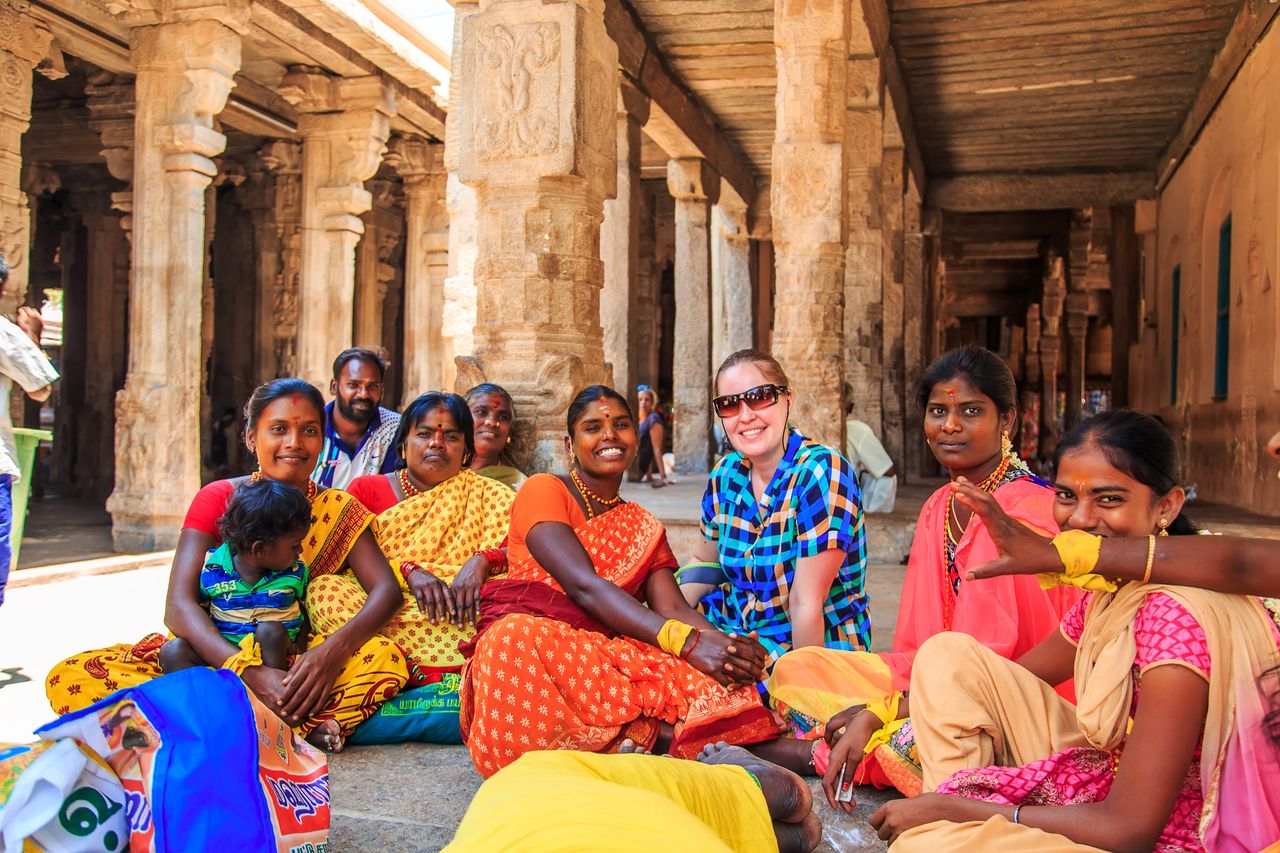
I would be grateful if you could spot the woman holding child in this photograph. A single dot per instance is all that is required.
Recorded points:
(969, 401)
(1167, 748)
(341, 678)
(433, 515)
(567, 654)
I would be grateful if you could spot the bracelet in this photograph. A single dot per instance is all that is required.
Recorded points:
(688, 648)
(672, 636)
(1016, 810)
(1078, 551)
(406, 569)
(496, 558)
(1151, 558)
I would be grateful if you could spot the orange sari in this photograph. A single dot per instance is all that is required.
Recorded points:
(538, 682)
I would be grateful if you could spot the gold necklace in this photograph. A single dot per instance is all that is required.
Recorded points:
(588, 495)
(407, 486)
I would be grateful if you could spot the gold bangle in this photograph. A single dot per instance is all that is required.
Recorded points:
(1151, 558)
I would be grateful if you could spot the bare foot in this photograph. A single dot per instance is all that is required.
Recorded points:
(630, 747)
(327, 736)
(788, 797)
(799, 837)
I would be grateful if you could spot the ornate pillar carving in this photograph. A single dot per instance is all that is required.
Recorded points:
(1054, 295)
(808, 208)
(647, 309)
(281, 274)
(421, 164)
(620, 243)
(1077, 306)
(344, 127)
(731, 273)
(534, 120)
(695, 188)
(23, 43)
(110, 101)
(374, 276)
(185, 72)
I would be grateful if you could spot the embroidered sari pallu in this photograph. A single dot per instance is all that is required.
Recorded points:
(437, 530)
(543, 674)
(375, 673)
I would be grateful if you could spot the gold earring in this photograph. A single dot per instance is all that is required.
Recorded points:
(1006, 446)
(1164, 525)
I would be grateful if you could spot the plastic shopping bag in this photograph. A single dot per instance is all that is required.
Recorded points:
(204, 765)
(58, 796)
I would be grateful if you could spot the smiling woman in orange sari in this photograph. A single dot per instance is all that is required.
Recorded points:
(567, 655)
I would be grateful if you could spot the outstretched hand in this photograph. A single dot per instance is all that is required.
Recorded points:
(1023, 551)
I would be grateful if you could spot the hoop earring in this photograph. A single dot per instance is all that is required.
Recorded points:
(1164, 527)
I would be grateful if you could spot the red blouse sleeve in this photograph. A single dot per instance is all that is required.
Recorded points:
(374, 491)
(208, 506)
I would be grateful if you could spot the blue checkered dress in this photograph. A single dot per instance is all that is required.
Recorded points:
(811, 505)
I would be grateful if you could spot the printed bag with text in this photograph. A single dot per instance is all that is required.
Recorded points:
(204, 765)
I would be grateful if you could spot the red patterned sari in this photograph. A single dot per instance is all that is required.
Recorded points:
(543, 674)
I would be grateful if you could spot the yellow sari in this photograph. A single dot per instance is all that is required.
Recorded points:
(437, 531)
(372, 675)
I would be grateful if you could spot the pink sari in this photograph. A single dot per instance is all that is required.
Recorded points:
(1009, 615)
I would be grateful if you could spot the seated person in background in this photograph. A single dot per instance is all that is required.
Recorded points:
(358, 433)
(494, 414)
(877, 478)
(253, 583)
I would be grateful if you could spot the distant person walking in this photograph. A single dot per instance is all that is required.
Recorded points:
(359, 435)
(877, 477)
(21, 361)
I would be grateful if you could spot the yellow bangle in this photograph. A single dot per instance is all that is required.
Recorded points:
(1078, 551)
(1151, 558)
(672, 636)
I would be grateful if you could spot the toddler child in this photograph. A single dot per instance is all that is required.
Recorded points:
(254, 583)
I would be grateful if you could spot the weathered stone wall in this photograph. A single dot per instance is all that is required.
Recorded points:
(1234, 168)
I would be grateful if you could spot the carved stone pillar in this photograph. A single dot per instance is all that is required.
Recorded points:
(344, 127)
(536, 138)
(695, 188)
(1054, 295)
(647, 309)
(620, 244)
(185, 72)
(23, 43)
(731, 274)
(421, 165)
(375, 276)
(1077, 304)
(458, 313)
(808, 209)
(109, 99)
(914, 290)
(893, 379)
(280, 274)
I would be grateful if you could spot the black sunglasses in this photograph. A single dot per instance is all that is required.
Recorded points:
(760, 397)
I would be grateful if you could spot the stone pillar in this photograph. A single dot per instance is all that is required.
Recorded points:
(893, 379)
(344, 127)
(731, 280)
(808, 209)
(421, 165)
(535, 127)
(1054, 294)
(914, 290)
(458, 313)
(1077, 304)
(280, 274)
(374, 274)
(695, 188)
(620, 245)
(184, 73)
(23, 43)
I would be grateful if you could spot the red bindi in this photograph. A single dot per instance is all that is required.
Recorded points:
(951, 392)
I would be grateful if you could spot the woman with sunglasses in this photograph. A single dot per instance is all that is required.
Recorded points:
(969, 401)
(783, 555)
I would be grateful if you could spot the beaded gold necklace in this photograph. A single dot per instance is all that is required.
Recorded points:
(588, 495)
(1010, 467)
(406, 485)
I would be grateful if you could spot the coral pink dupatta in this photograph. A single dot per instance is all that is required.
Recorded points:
(1009, 615)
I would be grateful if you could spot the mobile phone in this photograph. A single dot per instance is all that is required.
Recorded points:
(844, 793)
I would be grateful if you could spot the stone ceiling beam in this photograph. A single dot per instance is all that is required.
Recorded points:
(876, 15)
(678, 122)
(1013, 191)
(1249, 26)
